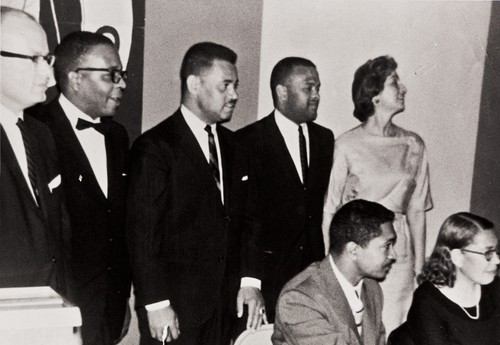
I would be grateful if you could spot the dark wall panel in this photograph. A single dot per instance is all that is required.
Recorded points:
(485, 199)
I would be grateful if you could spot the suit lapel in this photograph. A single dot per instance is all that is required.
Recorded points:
(337, 297)
(369, 330)
(188, 144)
(226, 164)
(67, 136)
(278, 149)
(314, 157)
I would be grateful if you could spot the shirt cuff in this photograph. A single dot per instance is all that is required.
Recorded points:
(157, 305)
(251, 282)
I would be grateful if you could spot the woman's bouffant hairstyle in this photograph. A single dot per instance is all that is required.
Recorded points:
(368, 82)
(457, 231)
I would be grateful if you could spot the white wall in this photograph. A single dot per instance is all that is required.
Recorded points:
(440, 49)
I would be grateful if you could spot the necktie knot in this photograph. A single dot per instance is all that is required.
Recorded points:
(208, 128)
(84, 124)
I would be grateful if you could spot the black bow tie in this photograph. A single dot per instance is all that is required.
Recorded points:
(84, 124)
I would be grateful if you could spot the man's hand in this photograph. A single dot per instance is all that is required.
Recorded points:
(252, 297)
(162, 318)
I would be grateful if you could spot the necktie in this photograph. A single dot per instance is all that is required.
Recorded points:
(84, 124)
(30, 158)
(303, 155)
(214, 161)
(358, 314)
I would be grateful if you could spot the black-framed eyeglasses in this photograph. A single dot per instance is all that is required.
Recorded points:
(116, 74)
(49, 58)
(487, 254)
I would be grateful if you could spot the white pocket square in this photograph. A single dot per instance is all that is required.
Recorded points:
(56, 181)
(244, 178)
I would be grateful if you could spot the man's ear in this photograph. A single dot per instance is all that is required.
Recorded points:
(352, 248)
(193, 84)
(457, 257)
(376, 99)
(74, 80)
(281, 92)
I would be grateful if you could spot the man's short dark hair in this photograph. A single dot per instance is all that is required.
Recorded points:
(200, 57)
(283, 70)
(357, 221)
(72, 50)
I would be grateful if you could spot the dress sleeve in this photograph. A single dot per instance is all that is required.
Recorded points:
(421, 199)
(338, 177)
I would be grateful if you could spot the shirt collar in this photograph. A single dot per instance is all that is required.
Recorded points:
(346, 286)
(194, 122)
(73, 113)
(8, 116)
(285, 124)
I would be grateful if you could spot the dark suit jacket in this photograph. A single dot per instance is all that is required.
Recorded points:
(185, 244)
(312, 309)
(33, 239)
(290, 212)
(100, 261)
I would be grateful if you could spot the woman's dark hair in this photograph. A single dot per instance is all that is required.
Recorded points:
(368, 82)
(457, 231)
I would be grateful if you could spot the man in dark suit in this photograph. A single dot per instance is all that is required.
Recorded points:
(93, 152)
(190, 232)
(292, 158)
(34, 226)
(338, 300)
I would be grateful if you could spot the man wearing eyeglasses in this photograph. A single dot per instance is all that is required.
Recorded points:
(93, 149)
(33, 220)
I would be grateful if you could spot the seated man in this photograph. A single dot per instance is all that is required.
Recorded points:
(338, 300)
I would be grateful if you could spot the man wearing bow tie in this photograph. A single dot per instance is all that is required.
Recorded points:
(34, 224)
(93, 149)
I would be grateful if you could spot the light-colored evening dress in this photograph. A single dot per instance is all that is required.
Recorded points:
(392, 171)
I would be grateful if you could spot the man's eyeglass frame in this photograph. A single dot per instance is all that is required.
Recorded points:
(49, 58)
(116, 74)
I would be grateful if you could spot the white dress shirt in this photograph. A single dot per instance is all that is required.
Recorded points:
(9, 123)
(290, 132)
(92, 142)
(353, 295)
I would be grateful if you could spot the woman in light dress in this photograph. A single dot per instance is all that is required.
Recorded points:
(379, 161)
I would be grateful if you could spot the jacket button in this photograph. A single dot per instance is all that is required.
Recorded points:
(108, 210)
(221, 258)
(110, 239)
(227, 218)
(54, 259)
(109, 268)
(301, 248)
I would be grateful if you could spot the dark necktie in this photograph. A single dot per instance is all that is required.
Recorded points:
(30, 159)
(84, 124)
(303, 155)
(214, 161)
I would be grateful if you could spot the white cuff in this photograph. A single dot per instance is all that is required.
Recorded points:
(251, 282)
(158, 305)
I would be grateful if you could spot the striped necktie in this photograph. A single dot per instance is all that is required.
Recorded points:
(214, 161)
(30, 158)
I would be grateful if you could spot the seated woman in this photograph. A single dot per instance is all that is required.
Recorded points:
(457, 301)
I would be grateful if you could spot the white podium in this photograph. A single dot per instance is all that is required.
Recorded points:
(37, 316)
